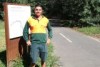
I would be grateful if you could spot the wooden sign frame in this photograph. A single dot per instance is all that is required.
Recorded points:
(15, 47)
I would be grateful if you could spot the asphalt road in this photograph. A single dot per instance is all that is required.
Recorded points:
(75, 49)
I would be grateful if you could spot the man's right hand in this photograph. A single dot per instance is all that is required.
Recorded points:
(28, 42)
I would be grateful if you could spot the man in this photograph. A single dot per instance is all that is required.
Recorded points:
(38, 40)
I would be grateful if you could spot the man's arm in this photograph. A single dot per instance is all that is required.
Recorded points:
(26, 33)
(49, 32)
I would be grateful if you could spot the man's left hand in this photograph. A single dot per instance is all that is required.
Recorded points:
(48, 41)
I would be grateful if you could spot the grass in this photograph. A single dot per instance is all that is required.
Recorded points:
(51, 61)
(2, 36)
(2, 45)
(92, 31)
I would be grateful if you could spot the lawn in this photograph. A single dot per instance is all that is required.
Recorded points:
(2, 36)
(92, 31)
(2, 45)
(52, 60)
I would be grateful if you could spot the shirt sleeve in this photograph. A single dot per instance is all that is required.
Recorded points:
(26, 32)
(49, 30)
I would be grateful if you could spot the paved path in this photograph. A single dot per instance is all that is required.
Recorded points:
(75, 49)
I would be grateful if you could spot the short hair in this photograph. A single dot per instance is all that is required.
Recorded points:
(38, 5)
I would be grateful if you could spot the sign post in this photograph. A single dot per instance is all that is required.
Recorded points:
(15, 18)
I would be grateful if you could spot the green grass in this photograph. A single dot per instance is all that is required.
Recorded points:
(2, 36)
(52, 60)
(92, 31)
(2, 45)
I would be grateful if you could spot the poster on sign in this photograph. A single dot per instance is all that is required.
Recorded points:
(17, 17)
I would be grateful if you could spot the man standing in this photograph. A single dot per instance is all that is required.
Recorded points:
(38, 40)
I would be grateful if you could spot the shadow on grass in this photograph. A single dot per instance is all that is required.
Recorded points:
(24, 52)
(3, 57)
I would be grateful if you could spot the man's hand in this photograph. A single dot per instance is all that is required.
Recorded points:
(48, 41)
(28, 42)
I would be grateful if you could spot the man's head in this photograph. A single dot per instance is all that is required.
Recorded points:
(38, 10)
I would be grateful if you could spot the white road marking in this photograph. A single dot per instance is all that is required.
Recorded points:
(65, 37)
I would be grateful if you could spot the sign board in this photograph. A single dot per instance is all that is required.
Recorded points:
(18, 16)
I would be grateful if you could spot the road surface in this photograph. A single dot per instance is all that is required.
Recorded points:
(75, 49)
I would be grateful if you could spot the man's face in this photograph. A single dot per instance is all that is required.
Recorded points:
(38, 11)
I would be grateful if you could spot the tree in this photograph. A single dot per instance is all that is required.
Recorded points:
(83, 11)
(91, 13)
(18, 1)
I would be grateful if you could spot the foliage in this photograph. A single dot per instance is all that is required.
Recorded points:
(91, 13)
(82, 12)
(2, 36)
(90, 30)
(2, 45)
(64, 9)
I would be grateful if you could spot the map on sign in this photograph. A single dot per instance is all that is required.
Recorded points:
(17, 18)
